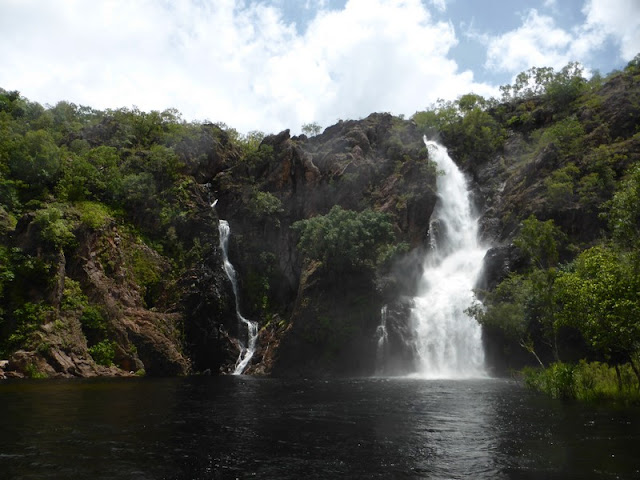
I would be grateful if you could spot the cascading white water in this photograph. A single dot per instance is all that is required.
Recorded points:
(447, 341)
(246, 350)
(383, 338)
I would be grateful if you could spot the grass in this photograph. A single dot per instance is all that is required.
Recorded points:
(592, 382)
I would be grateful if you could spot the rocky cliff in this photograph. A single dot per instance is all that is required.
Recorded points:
(112, 263)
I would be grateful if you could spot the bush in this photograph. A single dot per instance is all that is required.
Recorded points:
(346, 240)
(72, 297)
(585, 381)
(94, 215)
(27, 320)
(103, 352)
(556, 381)
(56, 228)
(567, 135)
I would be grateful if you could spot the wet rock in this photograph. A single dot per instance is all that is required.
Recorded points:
(497, 264)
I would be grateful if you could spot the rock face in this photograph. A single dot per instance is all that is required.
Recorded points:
(380, 163)
(167, 321)
(151, 321)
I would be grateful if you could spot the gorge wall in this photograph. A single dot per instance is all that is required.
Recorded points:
(111, 260)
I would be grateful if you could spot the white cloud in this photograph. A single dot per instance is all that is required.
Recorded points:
(231, 61)
(540, 42)
(537, 42)
(439, 4)
(617, 18)
(315, 4)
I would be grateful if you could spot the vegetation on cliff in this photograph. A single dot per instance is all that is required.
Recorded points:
(101, 219)
(574, 211)
(109, 250)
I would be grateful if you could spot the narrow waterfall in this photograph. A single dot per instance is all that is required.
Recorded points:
(448, 342)
(383, 337)
(248, 348)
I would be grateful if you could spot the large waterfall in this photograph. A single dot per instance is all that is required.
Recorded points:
(448, 342)
(247, 348)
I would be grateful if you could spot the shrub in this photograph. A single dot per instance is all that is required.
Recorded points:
(103, 352)
(94, 215)
(585, 381)
(56, 229)
(346, 240)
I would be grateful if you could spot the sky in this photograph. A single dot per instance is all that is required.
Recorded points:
(273, 64)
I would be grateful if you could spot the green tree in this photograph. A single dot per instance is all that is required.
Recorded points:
(566, 135)
(311, 129)
(539, 241)
(624, 211)
(601, 298)
(35, 159)
(346, 240)
(560, 185)
(56, 229)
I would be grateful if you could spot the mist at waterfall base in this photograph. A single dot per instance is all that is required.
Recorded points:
(247, 344)
(444, 341)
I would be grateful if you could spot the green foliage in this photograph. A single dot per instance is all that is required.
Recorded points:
(560, 185)
(28, 318)
(72, 296)
(94, 324)
(6, 272)
(35, 159)
(601, 298)
(56, 227)
(440, 117)
(634, 65)
(95, 174)
(522, 308)
(103, 352)
(624, 211)
(566, 85)
(264, 204)
(33, 372)
(471, 133)
(94, 215)
(557, 380)
(585, 381)
(147, 271)
(311, 129)
(566, 135)
(344, 239)
(561, 87)
(539, 241)
(7, 222)
(523, 305)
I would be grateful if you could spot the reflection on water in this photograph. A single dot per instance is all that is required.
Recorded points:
(233, 427)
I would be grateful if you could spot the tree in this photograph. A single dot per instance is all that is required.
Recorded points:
(35, 159)
(601, 298)
(624, 211)
(346, 240)
(539, 241)
(505, 309)
(562, 87)
(311, 129)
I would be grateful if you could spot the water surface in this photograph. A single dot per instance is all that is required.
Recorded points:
(244, 427)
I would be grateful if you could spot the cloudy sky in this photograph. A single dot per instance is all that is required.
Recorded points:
(274, 64)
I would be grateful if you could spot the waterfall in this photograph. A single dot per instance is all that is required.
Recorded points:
(447, 341)
(246, 349)
(383, 337)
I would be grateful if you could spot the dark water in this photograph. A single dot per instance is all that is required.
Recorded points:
(235, 427)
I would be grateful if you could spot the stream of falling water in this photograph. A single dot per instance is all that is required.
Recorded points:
(246, 349)
(447, 341)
